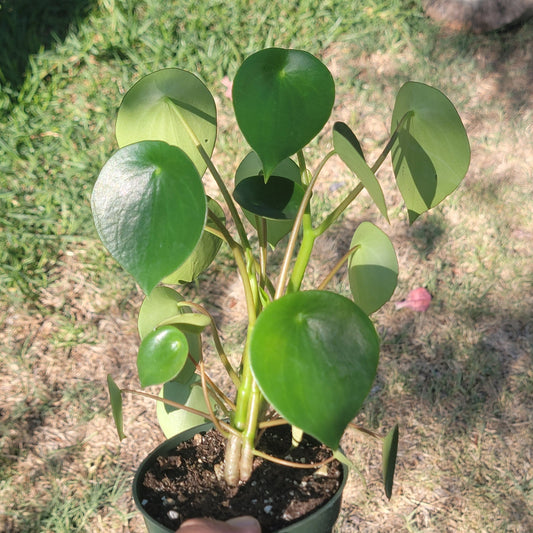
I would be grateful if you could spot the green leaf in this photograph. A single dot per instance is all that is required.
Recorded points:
(349, 150)
(278, 199)
(431, 154)
(162, 354)
(149, 208)
(251, 166)
(282, 99)
(204, 253)
(188, 322)
(169, 105)
(314, 355)
(158, 307)
(173, 420)
(390, 451)
(115, 396)
(372, 268)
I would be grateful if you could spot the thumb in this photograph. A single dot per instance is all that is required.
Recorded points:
(245, 524)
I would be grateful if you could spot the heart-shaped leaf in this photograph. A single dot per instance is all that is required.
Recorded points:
(390, 451)
(347, 146)
(115, 396)
(314, 355)
(431, 154)
(372, 268)
(277, 199)
(173, 420)
(162, 354)
(282, 99)
(169, 105)
(251, 166)
(204, 253)
(149, 208)
(158, 307)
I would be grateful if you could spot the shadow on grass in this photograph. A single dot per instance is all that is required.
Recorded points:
(505, 55)
(26, 26)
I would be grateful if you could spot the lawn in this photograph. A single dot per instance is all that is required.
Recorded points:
(457, 378)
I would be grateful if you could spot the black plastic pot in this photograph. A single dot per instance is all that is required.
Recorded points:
(321, 521)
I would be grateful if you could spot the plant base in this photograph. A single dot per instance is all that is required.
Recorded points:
(179, 480)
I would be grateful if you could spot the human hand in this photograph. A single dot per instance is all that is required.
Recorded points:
(241, 524)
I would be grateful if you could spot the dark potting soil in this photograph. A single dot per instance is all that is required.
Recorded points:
(186, 485)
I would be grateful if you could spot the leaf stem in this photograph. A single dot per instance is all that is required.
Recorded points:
(219, 181)
(169, 402)
(392, 140)
(336, 268)
(261, 225)
(291, 463)
(293, 238)
(216, 339)
(240, 261)
(213, 418)
(337, 212)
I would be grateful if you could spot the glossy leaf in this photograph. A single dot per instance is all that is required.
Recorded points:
(431, 154)
(372, 268)
(251, 166)
(282, 99)
(162, 354)
(159, 306)
(115, 396)
(278, 199)
(149, 209)
(349, 150)
(314, 355)
(168, 105)
(204, 253)
(390, 452)
(173, 420)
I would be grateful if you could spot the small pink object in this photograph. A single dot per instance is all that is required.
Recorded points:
(229, 86)
(417, 300)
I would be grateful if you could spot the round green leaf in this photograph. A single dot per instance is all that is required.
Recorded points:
(169, 105)
(251, 166)
(431, 154)
(162, 354)
(282, 99)
(314, 355)
(372, 268)
(158, 307)
(173, 420)
(277, 199)
(204, 253)
(347, 146)
(149, 208)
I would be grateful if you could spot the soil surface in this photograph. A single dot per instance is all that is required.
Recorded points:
(188, 483)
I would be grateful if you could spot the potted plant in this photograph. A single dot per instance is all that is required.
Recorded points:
(309, 357)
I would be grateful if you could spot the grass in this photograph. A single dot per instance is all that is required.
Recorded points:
(62, 72)
(457, 378)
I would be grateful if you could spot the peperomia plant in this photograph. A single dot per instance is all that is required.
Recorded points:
(309, 357)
